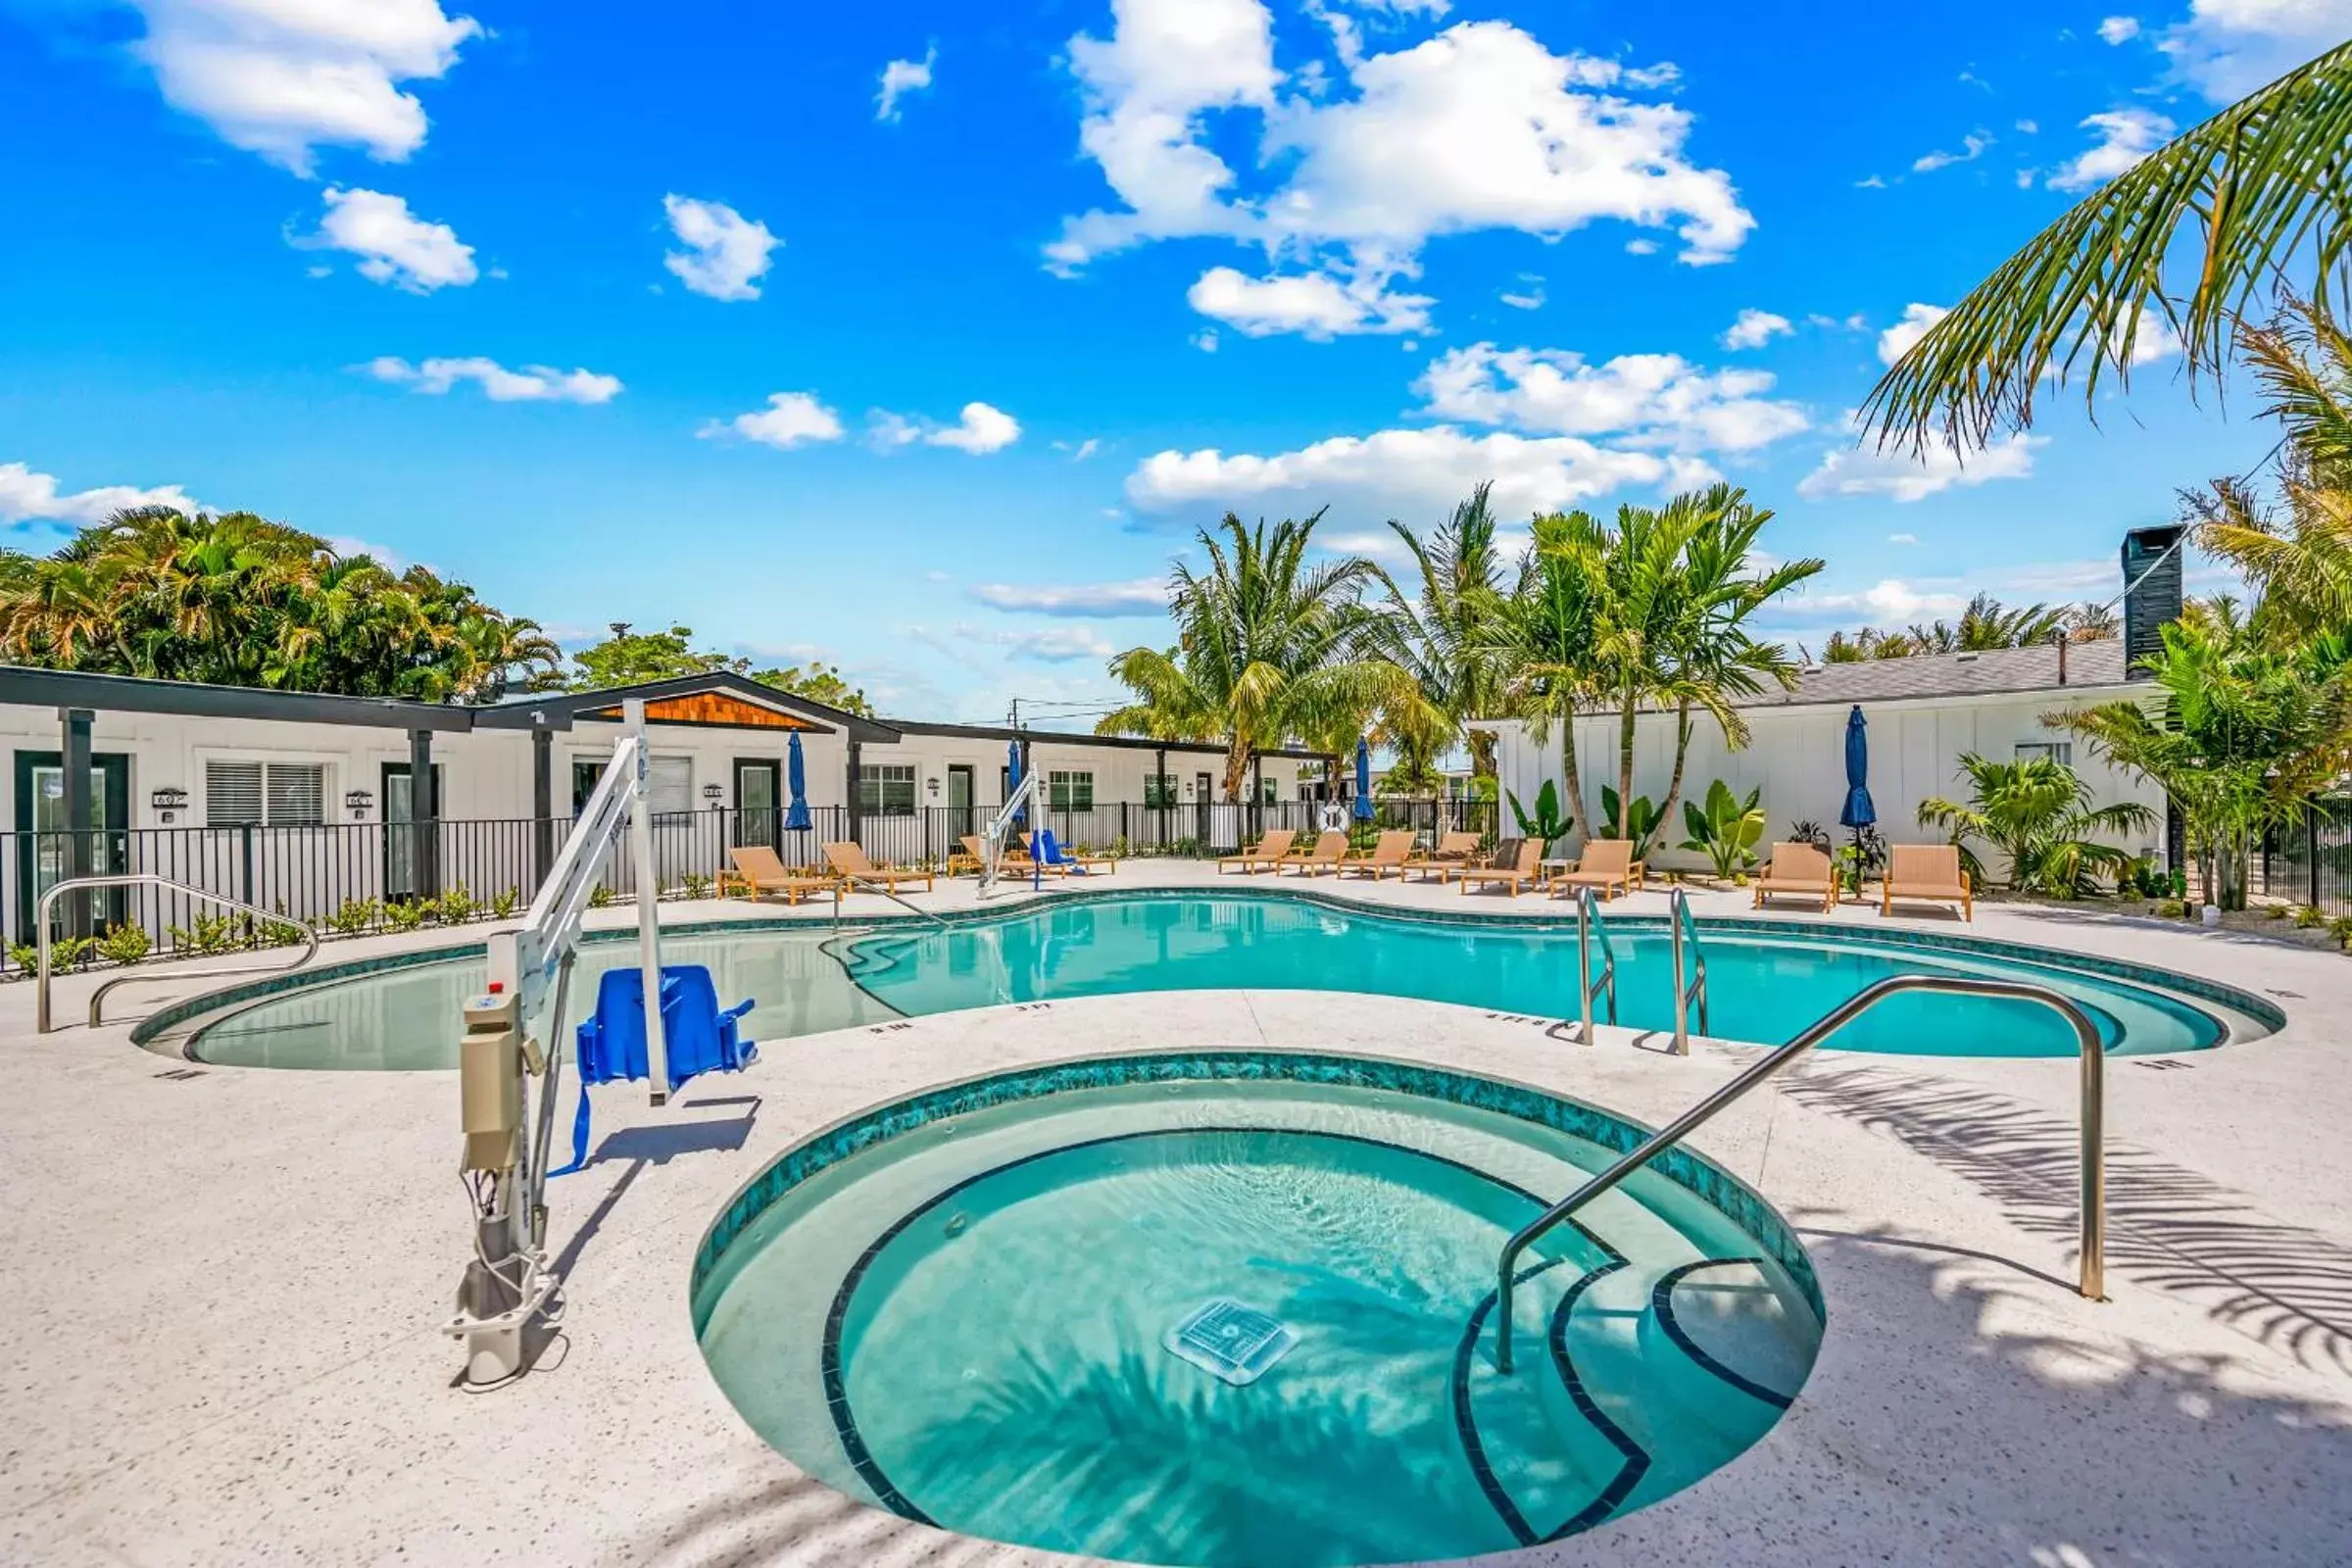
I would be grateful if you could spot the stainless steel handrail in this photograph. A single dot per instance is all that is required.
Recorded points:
(78, 884)
(1691, 982)
(2093, 1225)
(1587, 921)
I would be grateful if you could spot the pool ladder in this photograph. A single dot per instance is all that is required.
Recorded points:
(1690, 969)
(1590, 924)
(148, 879)
(2092, 1225)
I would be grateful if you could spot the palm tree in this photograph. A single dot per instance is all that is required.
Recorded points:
(2260, 188)
(1547, 641)
(2302, 563)
(2038, 813)
(2247, 734)
(1269, 647)
(1442, 636)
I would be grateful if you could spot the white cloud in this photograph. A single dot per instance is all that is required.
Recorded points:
(726, 252)
(283, 77)
(1918, 319)
(2029, 128)
(1528, 299)
(1206, 340)
(1647, 398)
(393, 244)
(2125, 137)
(1889, 600)
(2119, 29)
(26, 496)
(790, 419)
(1754, 329)
(1142, 596)
(1426, 468)
(1048, 644)
(1902, 475)
(979, 430)
(1314, 305)
(1479, 127)
(533, 383)
(1902, 538)
(1972, 147)
(2228, 48)
(901, 77)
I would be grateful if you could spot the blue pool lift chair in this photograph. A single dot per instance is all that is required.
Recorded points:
(700, 1039)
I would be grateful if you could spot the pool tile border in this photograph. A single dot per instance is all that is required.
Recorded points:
(1701, 1177)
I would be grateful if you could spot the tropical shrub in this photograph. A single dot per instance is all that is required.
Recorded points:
(599, 897)
(1547, 824)
(1724, 828)
(206, 934)
(125, 943)
(695, 885)
(25, 955)
(455, 906)
(503, 905)
(1860, 858)
(405, 914)
(2037, 814)
(1806, 830)
(354, 915)
(1640, 822)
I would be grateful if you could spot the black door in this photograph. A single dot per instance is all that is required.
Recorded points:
(45, 846)
(959, 800)
(403, 870)
(758, 802)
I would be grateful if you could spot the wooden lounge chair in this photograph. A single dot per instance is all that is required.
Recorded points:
(759, 872)
(1386, 854)
(1268, 851)
(1515, 864)
(849, 861)
(1608, 864)
(1330, 850)
(1013, 861)
(1454, 852)
(1926, 874)
(1797, 870)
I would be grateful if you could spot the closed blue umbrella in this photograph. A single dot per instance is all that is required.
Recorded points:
(1363, 779)
(796, 777)
(1858, 813)
(1012, 776)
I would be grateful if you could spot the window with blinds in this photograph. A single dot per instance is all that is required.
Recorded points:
(270, 793)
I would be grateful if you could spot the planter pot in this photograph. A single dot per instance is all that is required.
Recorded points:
(2212, 916)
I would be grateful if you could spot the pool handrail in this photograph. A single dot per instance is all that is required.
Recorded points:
(1688, 982)
(1589, 921)
(127, 879)
(2092, 1231)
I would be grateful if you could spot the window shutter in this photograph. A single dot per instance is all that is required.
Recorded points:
(232, 794)
(297, 794)
(669, 785)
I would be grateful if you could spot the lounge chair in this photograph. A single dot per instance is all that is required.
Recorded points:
(1926, 874)
(759, 872)
(849, 861)
(1454, 851)
(1797, 870)
(1330, 850)
(1515, 864)
(1386, 854)
(1608, 864)
(1268, 851)
(1012, 861)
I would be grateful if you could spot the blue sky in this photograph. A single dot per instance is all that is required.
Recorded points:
(662, 318)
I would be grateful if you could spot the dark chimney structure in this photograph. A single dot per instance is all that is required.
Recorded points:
(2152, 563)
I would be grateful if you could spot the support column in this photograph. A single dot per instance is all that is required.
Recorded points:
(424, 815)
(543, 805)
(79, 814)
(1166, 787)
(857, 791)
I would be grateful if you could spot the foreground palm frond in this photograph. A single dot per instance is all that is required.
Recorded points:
(2259, 187)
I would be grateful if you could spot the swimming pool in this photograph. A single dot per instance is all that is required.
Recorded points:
(1234, 1308)
(1766, 979)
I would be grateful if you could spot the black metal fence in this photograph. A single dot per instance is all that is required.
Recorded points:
(2310, 862)
(370, 876)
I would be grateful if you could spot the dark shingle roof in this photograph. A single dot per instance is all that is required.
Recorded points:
(1925, 675)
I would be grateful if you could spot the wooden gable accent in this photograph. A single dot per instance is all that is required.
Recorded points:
(711, 709)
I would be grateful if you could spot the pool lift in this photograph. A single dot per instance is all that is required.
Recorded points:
(1025, 794)
(510, 1135)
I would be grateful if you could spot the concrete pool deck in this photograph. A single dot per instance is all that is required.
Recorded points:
(223, 1286)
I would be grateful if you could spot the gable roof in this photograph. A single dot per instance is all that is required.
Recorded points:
(562, 709)
(1994, 673)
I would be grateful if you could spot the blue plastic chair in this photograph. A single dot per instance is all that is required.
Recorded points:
(698, 1036)
(1046, 851)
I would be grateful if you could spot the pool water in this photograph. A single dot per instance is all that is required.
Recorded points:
(1764, 985)
(968, 1324)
